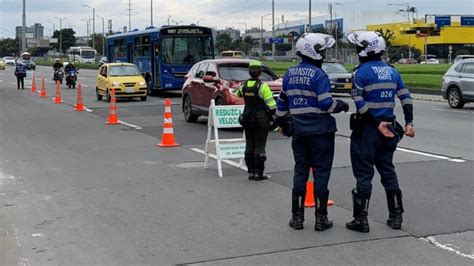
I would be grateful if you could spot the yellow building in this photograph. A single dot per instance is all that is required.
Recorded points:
(435, 34)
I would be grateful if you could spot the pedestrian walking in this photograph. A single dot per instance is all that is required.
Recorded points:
(20, 73)
(258, 111)
(306, 102)
(375, 131)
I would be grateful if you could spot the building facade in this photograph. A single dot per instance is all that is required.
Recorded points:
(34, 34)
(440, 35)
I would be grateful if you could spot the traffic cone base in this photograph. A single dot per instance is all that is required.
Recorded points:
(167, 138)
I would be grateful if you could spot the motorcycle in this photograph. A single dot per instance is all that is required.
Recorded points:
(58, 75)
(71, 79)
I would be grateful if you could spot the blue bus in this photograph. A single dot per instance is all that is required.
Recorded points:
(164, 55)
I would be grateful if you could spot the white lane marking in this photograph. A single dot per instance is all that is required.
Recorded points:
(129, 125)
(37, 235)
(448, 247)
(427, 154)
(85, 85)
(229, 162)
(15, 235)
(1, 80)
(24, 262)
(432, 155)
(14, 83)
(88, 110)
(466, 111)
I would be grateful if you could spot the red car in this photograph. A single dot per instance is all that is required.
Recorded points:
(219, 79)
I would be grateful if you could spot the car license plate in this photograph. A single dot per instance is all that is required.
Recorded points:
(130, 89)
(347, 86)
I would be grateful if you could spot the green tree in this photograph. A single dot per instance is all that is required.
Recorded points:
(223, 42)
(388, 35)
(98, 42)
(399, 52)
(9, 46)
(68, 39)
(246, 45)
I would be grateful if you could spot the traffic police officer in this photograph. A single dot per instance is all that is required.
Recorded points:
(259, 101)
(375, 132)
(305, 97)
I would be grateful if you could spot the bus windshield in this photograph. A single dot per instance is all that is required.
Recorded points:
(185, 50)
(87, 54)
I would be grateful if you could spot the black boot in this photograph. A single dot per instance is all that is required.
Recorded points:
(250, 162)
(361, 211)
(395, 208)
(297, 209)
(260, 167)
(321, 211)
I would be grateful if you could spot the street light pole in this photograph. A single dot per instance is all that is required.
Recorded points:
(408, 21)
(309, 18)
(261, 36)
(60, 35)
(103, 35)
(273, 29)
(93, 25)
(151, 13)
(23, 26)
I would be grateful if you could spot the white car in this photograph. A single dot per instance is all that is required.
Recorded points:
(9, 60)
(430, 61)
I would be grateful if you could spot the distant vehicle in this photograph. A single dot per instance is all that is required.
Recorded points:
(103, 60)
(82, 54)
(71, 78)
(2, 64)
(462, 57)
(26, 59)
(124, 77)
(341, 79)
(430, 61)
(230, 53)
(164, 55)
(9, 60)
(407, 61)
(219, 79)
(458, 84)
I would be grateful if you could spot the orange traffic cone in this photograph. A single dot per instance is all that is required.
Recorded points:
(309, 199)
(33, 84)
(113, 116)
(79, 104)
(57, 97)
(167, 139)
(43, 89)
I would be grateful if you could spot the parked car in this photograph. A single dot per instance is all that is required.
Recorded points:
(407, 61)
(124, 77)
(9, 60)
(462, 57)
(458, 84)
(430, 61)
(341, 79)
(219, 79)
(2, 64)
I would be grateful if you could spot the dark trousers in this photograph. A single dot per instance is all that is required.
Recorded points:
(20, 81)
(316, 152)
(256, 141)
(369, 148)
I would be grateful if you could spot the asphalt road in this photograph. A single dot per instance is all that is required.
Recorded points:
(76, 191)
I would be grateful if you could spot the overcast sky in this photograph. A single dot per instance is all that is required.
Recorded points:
(214, 13)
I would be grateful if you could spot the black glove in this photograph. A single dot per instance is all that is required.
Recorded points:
(346, 107)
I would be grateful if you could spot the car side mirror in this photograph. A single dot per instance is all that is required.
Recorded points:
(209, 79)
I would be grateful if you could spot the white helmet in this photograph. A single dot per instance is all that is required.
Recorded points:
(368, 42)
(313, 45)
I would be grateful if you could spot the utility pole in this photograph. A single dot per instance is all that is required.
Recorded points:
(261, 36)
(129, 15)
(151, 13)
(309, 18)
(93, 25)
(23, 26)
(273, 29)
(103, 35)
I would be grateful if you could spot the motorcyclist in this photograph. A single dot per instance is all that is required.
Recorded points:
(68, 69)
(57, 66)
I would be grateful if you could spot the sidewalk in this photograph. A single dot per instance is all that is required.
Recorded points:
(427, 97)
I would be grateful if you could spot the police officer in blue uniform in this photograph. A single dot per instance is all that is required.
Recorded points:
(375, 132)
(306, 99)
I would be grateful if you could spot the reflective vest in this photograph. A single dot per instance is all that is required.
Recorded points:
(253, 102)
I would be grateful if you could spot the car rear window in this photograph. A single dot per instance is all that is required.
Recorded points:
(240, 72)
(124, 71)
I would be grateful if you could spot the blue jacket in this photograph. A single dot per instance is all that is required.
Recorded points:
(375, 86)
(306, 96)
(20, 69)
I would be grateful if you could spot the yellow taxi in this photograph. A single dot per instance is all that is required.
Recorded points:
(2, 64)
(125, 78)
(231, 53)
